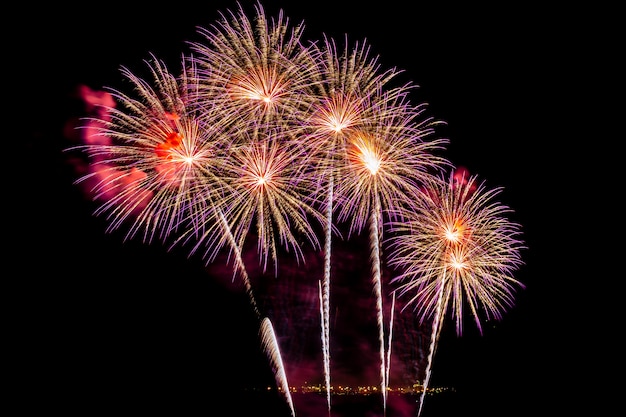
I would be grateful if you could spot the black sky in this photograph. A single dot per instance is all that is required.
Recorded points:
(103, 321)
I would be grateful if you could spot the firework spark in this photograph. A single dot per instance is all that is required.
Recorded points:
(455, 248)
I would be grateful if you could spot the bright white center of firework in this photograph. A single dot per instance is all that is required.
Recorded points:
(369, 158)
(372, 163)
(261, 180)
(452, 235)
(261, 96)
(458, 265)
(456, 262)
(251, 94)
(454, 232)
(338, 126)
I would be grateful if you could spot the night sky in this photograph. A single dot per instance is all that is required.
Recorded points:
(107, 325)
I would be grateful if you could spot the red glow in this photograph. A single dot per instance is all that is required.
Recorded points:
(461, 177)
(163, 149)
(106, 178)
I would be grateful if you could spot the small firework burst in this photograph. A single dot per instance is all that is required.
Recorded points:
(155, 163)
(455, 248)
(385, 160)
(267, 193)
(456, 243)
(346, 85)
(257, 70)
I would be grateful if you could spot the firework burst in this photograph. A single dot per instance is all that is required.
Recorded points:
(153, 165)
(385, 160)
(255, 70)
(268, 193)
(455, 249)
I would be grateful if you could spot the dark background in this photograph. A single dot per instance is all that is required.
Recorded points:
(105, 325)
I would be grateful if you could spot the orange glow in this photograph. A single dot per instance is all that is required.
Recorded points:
(162, 150)
(172, 140)
(455, 232)
(172, 116)
(367, 155)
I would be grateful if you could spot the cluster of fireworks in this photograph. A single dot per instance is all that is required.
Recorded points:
(261, 134)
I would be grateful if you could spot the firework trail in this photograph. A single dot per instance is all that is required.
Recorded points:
(377, 281)
(348, 79)
(390, 337)
(325, 339)
(385, 160)
(326, 293)
(270, 344)
(434, 340)
(456, 248)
